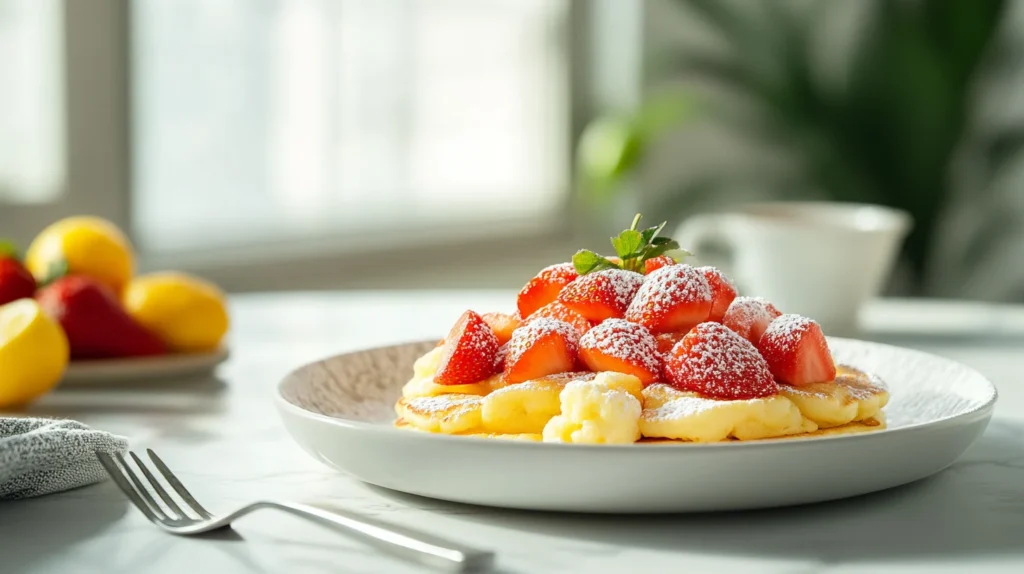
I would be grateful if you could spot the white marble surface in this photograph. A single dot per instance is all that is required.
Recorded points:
(225, 440)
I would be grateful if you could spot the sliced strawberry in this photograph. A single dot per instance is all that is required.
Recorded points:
(796, 351)
(668, 340)
(539, 348)
(502, 324)
(623, 347)
(603, 294)
(749, 317)
(673, 298)
(716, 362)
(544, 288)
(469, 352)
(558, 311)
(655, 263)
(722, 292)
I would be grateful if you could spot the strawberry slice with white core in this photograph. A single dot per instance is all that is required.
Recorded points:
(469, 352)
(673, 298)
(539, 348)
(749, 317)
(796, 351)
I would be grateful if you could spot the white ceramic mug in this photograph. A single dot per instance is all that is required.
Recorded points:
(818, 259)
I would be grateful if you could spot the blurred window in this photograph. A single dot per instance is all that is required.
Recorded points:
(31, 101)
(276, 119)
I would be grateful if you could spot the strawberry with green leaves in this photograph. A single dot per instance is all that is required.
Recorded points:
(15, 280)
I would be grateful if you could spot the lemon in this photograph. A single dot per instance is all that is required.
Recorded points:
(187, 313)
(88, 246)
(33, 353)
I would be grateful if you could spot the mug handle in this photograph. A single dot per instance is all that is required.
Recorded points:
(707, 236)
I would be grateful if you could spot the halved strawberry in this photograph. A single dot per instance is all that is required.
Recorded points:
(668, 340)
(623, 347)
(673, 298)
(541, 347)
(502, 324)
(749, 317)
(544, 288)
(556, 310)
(715, 362)
(722, 292)
(469, 352)
(603, 294)
(655, 263)
(796, 351)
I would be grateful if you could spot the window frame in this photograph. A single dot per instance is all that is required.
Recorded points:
(98, 109)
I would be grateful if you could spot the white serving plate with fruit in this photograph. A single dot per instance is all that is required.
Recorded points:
(636, 383)
(340, 411)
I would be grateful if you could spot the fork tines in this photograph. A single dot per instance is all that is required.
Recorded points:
(127, 479)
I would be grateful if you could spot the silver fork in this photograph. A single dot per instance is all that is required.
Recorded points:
(418, 547)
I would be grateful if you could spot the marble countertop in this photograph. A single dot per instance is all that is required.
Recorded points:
(223, 437)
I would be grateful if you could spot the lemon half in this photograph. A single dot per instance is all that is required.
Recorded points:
(34, 353)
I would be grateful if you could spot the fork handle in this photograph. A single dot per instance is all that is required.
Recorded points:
(406, 543)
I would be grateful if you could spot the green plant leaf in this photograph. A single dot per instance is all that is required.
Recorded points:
(586, 261)
(627, 243)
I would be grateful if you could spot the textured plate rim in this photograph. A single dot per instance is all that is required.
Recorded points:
(981, 411)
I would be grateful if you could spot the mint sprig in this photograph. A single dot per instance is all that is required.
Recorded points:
(633, 247)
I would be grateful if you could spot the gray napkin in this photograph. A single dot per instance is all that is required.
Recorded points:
(43, 456)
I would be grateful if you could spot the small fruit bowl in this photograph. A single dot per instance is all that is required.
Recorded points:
(143, 369)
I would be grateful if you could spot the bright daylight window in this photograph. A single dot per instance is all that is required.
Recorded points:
(31, 101)
(255, 121)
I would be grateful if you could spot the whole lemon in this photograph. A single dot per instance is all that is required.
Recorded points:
(34, 353)
(88, 246)
(189, 314)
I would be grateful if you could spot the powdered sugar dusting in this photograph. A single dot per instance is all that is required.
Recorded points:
(788, 329)
(527, 336)
(685, 407)
(559, 270)
(667, 287)
(749, 316)
(719, 363)
(623, 340)
(623, 283)
(709, 270)
(443, 404)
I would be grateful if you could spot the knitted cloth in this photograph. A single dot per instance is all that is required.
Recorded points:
(43, 456)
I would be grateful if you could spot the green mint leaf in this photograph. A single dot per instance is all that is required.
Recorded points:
(627, 243)
(660, 249)
(651, 233)
(586, 261)
(679, 255)
(636, 221)
(8, 249)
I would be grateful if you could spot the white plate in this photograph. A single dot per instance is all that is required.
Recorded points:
(142, 370)
(340, 410)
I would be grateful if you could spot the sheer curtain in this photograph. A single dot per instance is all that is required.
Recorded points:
(31, 101)
(258, 120)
